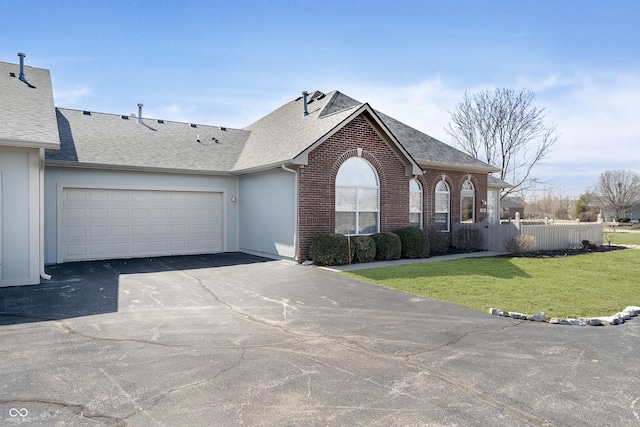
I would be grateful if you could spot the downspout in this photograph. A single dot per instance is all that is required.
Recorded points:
(295, 211)
(41, 208)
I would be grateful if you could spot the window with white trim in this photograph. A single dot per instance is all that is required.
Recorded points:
(415, 203)
(357, 198)
(468, 202)
(442, 211)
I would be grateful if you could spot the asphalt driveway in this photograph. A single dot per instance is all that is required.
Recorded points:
(232, 339)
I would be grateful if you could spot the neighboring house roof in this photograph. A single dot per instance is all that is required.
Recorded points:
(119, 141)
(512, 203)
(494, 182)
(27, 115)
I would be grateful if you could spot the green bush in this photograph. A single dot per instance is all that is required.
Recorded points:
(330, 249)
(364, 248)
(388, 246)
(415, 243)
(438, 241)
(469, 239)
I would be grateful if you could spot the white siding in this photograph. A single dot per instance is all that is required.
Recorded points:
(19, 236)
(267, 213)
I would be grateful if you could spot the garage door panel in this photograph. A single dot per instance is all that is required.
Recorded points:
(118, 223)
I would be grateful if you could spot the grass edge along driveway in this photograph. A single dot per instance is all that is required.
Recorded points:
(589, 285)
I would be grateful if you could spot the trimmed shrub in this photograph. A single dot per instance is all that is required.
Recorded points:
(364, 248)
(415, 243)
(438, 241)
(330, 249)
(520, 244)
(469, 239)
(388, 246)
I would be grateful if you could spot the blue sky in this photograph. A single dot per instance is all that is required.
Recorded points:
(230, 62)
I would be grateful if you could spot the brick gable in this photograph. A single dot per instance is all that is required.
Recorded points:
(317, 181)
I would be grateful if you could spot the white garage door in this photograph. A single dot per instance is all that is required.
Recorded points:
(96, 223)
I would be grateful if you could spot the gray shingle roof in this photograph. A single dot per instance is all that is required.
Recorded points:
(27, 116)
(428, 151)
(286, 132)
(109, 139)
(497, 183)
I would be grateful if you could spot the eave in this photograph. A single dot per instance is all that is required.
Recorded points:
(132, 168)
(23, 143)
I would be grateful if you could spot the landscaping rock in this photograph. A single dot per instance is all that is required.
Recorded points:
(593, 322)
(632, 311)
(518, 316)
(623, 315)
(556, 321)
(538, 317)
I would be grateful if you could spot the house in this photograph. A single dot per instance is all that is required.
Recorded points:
(104, 186)
(510, 206)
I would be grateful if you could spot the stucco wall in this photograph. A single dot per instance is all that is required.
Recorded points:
(57, 176)
(267, 205)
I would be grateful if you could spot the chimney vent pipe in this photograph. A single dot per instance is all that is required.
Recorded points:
(140, 114)
(22, 77)
(304, 101)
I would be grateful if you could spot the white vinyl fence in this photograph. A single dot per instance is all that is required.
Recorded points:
(548, 236)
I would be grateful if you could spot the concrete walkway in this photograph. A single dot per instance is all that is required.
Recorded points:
(380, 264)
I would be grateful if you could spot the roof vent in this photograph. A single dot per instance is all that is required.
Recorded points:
(304, 102)
(160, 121)
(140, 114)
(223, 128)
(22, 77)
(86, 113)
(193, 125)
(125, 117)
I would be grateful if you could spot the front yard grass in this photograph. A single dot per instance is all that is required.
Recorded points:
(589, 285)
(622, 238)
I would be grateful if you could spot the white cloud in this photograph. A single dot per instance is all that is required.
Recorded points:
(69, 97)
(597, 117)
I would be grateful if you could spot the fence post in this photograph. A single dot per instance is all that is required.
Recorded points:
(516, 222)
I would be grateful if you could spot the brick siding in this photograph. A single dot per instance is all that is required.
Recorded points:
(317, 184)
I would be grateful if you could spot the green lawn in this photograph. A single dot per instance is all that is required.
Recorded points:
(622, 238)
(590, 285)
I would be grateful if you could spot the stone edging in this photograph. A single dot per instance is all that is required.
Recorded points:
(616, 319)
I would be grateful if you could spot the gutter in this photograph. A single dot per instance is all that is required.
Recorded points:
(295, 211)
(41, 216)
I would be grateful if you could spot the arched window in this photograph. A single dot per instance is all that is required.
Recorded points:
(442, 206)
(415, 203)
(468, 202)
(357, 198)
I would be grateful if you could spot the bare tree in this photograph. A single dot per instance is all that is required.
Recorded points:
(504, 129)
(618, 191)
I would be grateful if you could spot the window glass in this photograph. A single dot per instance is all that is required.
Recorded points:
(357, 198)
(415, 203)
(442, 199)
(467, 202)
